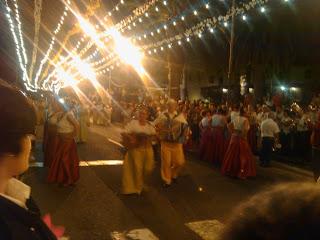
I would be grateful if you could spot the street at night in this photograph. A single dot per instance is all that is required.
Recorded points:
(159, 119)
(95, 209)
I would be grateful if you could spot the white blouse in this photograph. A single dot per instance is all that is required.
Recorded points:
(53, 119)
(135, 127)
(238, 123)
(64, 125)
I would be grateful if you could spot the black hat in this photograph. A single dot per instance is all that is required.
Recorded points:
(17, 113)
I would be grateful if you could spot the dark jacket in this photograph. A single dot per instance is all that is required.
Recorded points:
(17, 223)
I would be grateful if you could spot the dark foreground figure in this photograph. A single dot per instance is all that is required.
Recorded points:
(19, 216)
(287, 212)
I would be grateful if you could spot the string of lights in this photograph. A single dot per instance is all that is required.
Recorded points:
(183, 17)
(193, 10)
(37, 24)
(95, 58)
(206, 26)
(52, 42)
(137, 12)
(20, 50)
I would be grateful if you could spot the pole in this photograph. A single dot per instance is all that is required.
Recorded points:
(231, 49)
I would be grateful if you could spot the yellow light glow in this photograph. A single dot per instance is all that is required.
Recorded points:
(84, 68)
(65, 78)
(128, 53)
(90, 31)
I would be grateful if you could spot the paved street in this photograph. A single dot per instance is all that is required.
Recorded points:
(94, 209)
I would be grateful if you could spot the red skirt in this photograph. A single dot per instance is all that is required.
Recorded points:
(206, 144)
(50, 145)
(218, 147)
(252, 138)
(239, 160)
(64, 167)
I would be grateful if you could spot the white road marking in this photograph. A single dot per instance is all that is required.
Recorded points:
(137, 234)
(115, 142)
(207, 229)
(86, 163)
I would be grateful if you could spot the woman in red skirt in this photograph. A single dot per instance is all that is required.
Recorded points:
(205, 126)
(239, 160)
(64, 168)
(219, 124)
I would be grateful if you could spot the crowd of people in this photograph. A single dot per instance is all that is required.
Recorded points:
(287, 211)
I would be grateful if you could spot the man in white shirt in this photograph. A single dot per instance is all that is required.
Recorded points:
(270, 134)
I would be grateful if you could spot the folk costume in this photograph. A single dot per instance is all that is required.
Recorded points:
(205, 148)
(239, 160)
(139, 158)
(64, 168)
(219, 140)
(172, 129)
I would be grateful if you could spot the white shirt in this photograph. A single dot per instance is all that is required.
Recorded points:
(269, 128)
(17, 192)
(64, 125)
(302, 123)
(233, 115)
(238, 123)
(135, 127)
(204, 122)
(262, 116)
(162, 118)
(218, 121)
(53, 119)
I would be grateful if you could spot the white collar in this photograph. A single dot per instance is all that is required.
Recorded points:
(17, 192)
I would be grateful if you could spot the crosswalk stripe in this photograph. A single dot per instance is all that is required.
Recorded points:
(138, 234)
(207, 229)
(85, 163)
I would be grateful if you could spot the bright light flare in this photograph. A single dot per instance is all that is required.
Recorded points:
(128, 53)
(84, 68)
(66, 79)
(90, 31)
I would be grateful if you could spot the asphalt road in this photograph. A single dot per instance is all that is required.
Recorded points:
(94, 209)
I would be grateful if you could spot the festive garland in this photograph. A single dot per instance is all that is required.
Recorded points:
(208, 23)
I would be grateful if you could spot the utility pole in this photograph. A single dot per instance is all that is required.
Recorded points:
(231, 75)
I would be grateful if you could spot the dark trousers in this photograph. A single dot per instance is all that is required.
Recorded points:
(266, 150)
(316, 163)
(285, 140)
